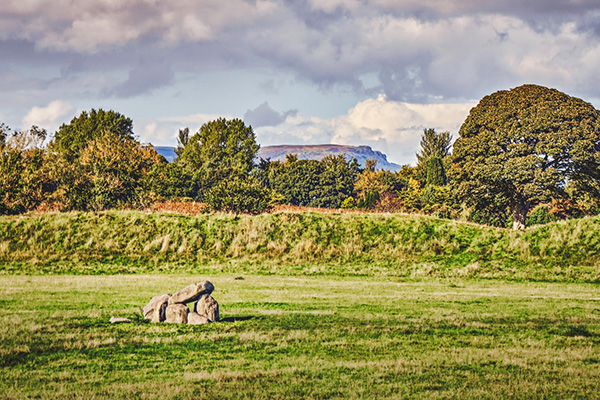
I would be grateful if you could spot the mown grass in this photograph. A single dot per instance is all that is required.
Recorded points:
(297, 244)
(301, 337)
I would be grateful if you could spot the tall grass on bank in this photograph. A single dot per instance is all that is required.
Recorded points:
(297, 243)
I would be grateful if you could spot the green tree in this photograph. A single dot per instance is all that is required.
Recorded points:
(524, 146)
(72, 138)
(221, 149)
(222, 145)
(432, 144)
(171, 181)
(336, 181)
(325, 183)
(183, 138)
(296, 180)
(435, 172)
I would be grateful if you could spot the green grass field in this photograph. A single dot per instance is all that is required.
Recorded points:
(317, 306)
(301, 337)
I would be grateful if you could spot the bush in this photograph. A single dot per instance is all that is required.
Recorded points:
(389, 202)
(24, 182)
(239, 195)
(540, 215)
(348, 204)
(369, 201)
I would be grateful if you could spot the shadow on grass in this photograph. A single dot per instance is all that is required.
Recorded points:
(236, 319)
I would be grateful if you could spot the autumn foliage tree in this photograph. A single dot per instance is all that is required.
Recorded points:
(97, 164)
(71, 138)
(524, 146)
(23, 182)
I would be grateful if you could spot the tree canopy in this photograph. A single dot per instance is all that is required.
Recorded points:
(314, 183)
(222, 145)
(524, 146)
(23, 183)
(433, 145)
(71, 139)
(222, 149)
(435, 172)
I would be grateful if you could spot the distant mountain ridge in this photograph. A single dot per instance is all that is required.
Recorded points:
(310, 152)
(318, 151)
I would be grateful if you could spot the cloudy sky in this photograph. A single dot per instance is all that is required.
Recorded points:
(299, 71)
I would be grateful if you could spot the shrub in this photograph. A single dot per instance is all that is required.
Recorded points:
(349, 203)
(540, 215)
(239, 195)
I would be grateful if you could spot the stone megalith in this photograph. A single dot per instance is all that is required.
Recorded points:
(196, 319)
(118, 320)
(155, 309)
(208, 307)
(177, 314)
(191, 293)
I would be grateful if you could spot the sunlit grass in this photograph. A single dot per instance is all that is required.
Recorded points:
(392, 245)
(301, 337)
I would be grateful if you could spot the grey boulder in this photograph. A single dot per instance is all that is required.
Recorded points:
(208, 307)
(196, 319)
(155, 309)
(191, 293)
(177, 314)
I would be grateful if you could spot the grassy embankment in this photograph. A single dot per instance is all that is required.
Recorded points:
(297, 244)
(301, 337)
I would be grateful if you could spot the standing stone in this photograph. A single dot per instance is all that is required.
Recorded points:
(208, 307)
(191, 293)
(177, 314)
(117, 320)
(160, 312)
(196, 319)
(156, 305)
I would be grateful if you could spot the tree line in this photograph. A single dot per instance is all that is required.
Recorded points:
(523, 156)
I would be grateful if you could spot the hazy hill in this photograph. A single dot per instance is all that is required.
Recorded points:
(310, 152)
(317, 152)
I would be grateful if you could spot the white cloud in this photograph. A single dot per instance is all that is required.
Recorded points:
(197, 119)
(164, 131)
(331, 5)
(392, 127)
(96, 25)
(49, 117)
(414, 51)
(421, 49)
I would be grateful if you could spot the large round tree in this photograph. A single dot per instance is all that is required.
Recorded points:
(523, 146)
(72, 138)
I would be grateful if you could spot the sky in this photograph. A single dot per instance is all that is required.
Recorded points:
(351, 72)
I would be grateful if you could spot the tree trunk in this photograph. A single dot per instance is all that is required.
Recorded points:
(519, 213)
